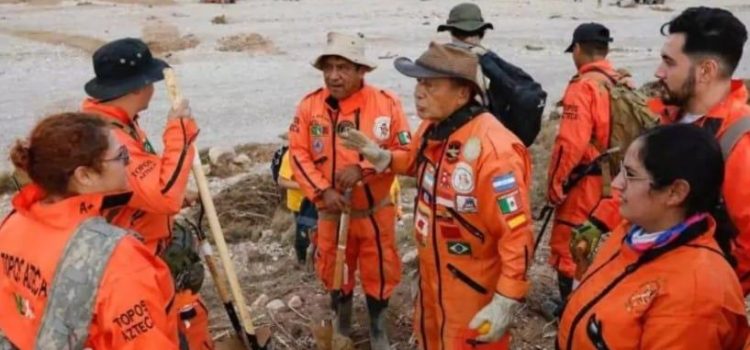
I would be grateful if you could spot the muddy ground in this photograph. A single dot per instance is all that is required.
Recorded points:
(245, 66)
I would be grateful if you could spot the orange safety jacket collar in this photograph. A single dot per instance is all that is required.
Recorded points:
(68, 212)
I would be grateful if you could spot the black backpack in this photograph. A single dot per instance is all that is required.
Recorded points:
(276, 162)
(514, 97)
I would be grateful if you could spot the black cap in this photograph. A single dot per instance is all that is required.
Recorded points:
(590, 32)
(123, 66)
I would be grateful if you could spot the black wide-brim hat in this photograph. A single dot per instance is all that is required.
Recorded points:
(121, 67)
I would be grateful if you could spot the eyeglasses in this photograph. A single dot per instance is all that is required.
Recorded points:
(122, 155)
(631, 178)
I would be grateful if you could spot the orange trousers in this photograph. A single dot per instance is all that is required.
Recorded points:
(371, 245)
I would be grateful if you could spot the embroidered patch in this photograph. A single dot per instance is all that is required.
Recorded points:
(23, 306)
(344, 125)
(643, 296)
(316, 130)
(428, 178)
(445, 179)
(404, 138)
(452, 151)
(459, 248)
(450, 231)
(382, 128)
(444, 202)
(472, 148)
(516, 221)
(466, 204)
(504, 183)
(509, 204)
(317, 145)
(463, 179)
(422, 227)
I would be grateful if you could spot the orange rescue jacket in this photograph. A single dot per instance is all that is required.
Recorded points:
(158, 182)
(316, 154)
(472, 222)
(133, 303)
(585, 122)
(686, 298)
(736, 188)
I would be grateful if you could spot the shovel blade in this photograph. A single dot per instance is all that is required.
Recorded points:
(261, 340)
(322, 333)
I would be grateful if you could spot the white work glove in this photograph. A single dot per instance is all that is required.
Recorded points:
(497, 313)
(355, 140)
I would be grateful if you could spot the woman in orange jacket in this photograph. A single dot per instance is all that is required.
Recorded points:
(51, 294)
(663, 280)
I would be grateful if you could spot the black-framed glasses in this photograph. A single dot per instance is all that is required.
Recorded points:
(631, 178)
(122, 155)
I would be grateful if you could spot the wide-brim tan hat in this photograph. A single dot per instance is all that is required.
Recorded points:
(442, 61)
(350, 47)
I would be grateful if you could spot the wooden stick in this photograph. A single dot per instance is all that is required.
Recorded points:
(213, 219)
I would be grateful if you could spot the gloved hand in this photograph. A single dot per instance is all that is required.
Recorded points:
(498, 314)
(355, 140)
(584, 240)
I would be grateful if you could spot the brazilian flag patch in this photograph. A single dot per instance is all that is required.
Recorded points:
(459, 248)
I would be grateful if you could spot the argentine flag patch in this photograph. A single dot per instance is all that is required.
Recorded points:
(504, 183)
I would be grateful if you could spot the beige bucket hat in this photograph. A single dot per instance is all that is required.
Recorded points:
(351, 47)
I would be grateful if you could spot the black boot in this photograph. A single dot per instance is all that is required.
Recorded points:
(565, 285)
(342, 305)
(378, 334)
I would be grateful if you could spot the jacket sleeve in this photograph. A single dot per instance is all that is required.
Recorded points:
(722, 330)
(133, 307)
(404, 159)
(503, 183)
(573, 138)
(311, 180)
(158, 183)
(736, 193)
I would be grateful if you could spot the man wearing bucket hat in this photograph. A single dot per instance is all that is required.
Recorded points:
(466, 25)
(122, 89)
(472, 219)
(325, 171)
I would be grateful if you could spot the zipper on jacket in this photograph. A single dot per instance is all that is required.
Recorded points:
(466, 279)
(466, 224)
(435, 248)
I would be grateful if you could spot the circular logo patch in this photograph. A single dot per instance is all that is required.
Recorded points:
(463, 178)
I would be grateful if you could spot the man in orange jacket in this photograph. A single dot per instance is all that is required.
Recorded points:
(123, 87)
(325, 170)
(472, 221)
(584, 134)
(696, 74)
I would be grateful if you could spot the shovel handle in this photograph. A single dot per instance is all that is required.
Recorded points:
(341, 242)
(175, 96)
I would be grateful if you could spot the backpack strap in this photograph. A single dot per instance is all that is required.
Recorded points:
(69, 311)
(733, 135)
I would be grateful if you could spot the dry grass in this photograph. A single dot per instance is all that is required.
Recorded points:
(7, 183)
(540, 155)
